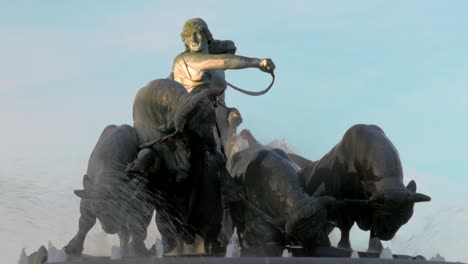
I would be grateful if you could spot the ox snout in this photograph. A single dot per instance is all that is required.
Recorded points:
(385, 227)
(384, 234)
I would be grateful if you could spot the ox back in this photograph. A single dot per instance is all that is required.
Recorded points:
(155, 105)
(276, 205)
(116, 147)
(364, 156)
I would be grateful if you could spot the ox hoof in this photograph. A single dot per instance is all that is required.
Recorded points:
(308, 220)
(74, 247)
(137, 250)
(375, 246)
(418, 257)
(344, 245)
(169, 243)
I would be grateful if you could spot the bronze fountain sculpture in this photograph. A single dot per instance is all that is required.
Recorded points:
(178, 159)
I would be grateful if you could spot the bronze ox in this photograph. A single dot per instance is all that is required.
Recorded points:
(363, 169)
(274, 208)
(174, 171)
(108, 191)
(363, 172)
(180, 159)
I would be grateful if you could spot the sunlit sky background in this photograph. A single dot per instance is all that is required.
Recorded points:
(68, 69)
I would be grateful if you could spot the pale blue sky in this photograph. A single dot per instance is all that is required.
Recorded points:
(67, 69)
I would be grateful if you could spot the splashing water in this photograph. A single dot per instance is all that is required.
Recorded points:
(437, 257)
(115, 253)
(55, 255)
(238, 143)
(233, 249)
(386, 253)
(159, 248)
(286, 254)
(282, 144)
(23, 257)
(354, 255)
(30, 186)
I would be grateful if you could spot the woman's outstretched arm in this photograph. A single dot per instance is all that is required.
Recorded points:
(202, 61)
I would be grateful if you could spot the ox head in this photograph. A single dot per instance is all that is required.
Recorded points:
(392, 205)
(228, 119)
(195, 119)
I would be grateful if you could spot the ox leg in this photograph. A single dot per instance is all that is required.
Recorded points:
(124, 237)
(212, 244)
(138, 231)
(375, 245)
(344, 241)
(345, 223)
(167, 229)
(86, 222)
(138, 222)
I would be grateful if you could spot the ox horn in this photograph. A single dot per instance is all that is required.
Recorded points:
(411, 186)
(234, 118)
(419, 197)
(247, 135)
(85, 194)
